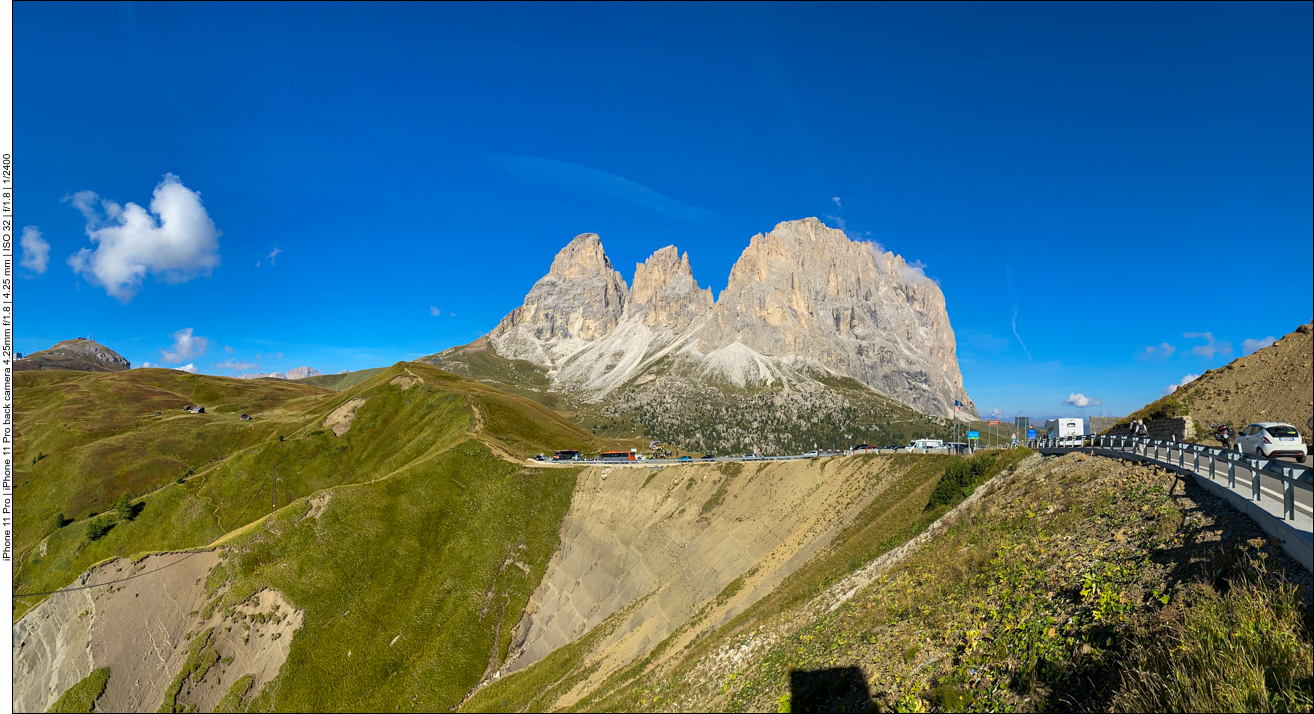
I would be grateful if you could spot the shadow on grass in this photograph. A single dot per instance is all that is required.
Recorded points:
(841, 689)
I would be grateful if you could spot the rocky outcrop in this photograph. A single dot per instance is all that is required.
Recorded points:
(578, 301)
(78, 354)
(665, 294)
(805, 290)
(802, 300)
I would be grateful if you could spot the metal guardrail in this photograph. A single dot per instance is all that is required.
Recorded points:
(1206, 461)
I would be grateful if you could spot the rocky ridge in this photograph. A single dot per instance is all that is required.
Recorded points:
(79, 354)
(802, 300)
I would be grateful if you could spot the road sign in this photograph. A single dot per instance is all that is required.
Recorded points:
(993, 422)
(974, 435)
(1031, 433)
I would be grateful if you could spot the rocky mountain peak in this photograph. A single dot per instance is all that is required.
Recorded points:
(803, 296)
(583, 256)
(665, 292)
(579, 300)
(806, 290)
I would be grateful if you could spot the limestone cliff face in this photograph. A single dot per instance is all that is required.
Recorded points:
(661, 312)
(578, 301)
(665, 294)
(802, 299)
(805, 290)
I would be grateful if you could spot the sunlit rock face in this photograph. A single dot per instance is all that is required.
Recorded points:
(805, 290)
(578, 301)
(800, 300)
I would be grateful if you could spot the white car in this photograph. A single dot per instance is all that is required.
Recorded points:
(1271, 440)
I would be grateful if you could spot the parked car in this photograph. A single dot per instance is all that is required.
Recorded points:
(752, 457)
(892, 447)
(813, 454)
(1270, 440)
(708, 457)
(686, 458)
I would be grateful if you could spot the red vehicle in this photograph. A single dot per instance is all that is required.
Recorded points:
(616, 456)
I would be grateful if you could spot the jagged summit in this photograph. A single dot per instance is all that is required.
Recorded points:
(665, 293)
(801, 300)
(579, 300)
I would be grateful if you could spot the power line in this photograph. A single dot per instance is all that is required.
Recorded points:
(98, 585)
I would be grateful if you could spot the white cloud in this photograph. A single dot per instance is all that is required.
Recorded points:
(188, 368)
(1081, 401)
(228, 349)
(175, 241)
(1185, 380)
(36, 251)
(144, 365)
(186, 346)
(1157, 354)
(836, 199)
(235, 364)
(273, 256)
(435, 311)
(1211, 345)
(1250, 346)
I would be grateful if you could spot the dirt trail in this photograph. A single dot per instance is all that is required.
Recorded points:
(140, 628)
(676, 543)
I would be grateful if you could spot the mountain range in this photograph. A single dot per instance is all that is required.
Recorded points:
(812, 326)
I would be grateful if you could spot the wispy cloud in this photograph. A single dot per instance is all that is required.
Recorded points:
(1250, 346)
(1008, 277)
(1184, 381)
(175, 241)
(588, 181)
(188, 368)
(435, 312)
(1157, 354)
(186, 346)
(1081, 401)
(36, 251)
(1211, 345)
(236, 364)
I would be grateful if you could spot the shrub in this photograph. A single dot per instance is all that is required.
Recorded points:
(59, 521)
(123, 507)
(960, 478)
(97, 530)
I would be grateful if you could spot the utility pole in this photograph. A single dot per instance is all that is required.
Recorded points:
(275, 508)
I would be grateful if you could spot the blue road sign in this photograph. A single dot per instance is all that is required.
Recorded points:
(974, 435)
(1031, 433)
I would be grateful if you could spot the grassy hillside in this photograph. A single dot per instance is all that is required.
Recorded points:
(86, 440)
(411, 586)
(926, 487)
(1077, 583)
(339, 382)
(1273, 384)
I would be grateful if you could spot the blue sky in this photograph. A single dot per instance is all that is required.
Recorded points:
(345, 171)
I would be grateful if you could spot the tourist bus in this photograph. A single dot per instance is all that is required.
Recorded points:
(565, 455)
(616, 456)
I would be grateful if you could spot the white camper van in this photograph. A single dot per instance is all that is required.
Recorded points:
(926, 444)
(1069, 427)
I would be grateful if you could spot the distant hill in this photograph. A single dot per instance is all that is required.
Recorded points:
(337, 382)
(1273, 384)
(79, 354)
